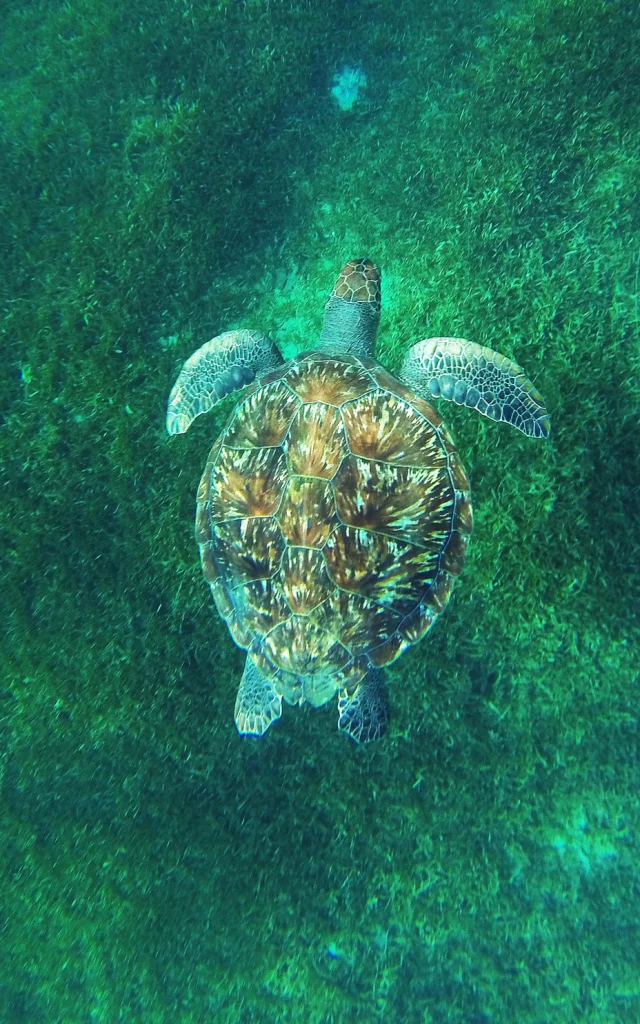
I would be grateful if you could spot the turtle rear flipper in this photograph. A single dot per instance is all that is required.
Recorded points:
(258, 704)
(472, 375)
(225, 364)
(365, 715)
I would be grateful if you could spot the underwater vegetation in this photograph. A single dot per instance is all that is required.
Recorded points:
(171, 170)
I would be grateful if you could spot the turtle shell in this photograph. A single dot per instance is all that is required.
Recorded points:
(333, 518)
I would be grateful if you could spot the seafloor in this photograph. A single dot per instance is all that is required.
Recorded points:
(172, 168)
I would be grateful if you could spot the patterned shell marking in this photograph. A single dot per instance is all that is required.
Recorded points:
(333, 517)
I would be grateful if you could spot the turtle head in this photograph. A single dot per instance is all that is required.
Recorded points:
(359, 281)
(352, 311)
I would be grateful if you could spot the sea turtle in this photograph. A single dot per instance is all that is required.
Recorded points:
(334, 512)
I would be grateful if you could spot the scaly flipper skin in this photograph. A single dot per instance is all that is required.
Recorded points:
(257, 704)
(365, 715)
(225, 364)
(469, 374)
(352, 311)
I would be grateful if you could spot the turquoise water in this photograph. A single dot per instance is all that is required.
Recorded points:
(169, 171)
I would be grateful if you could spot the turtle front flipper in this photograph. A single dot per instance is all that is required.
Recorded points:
(469, 374)
(258, 704)
(225, 364)
(364, 715)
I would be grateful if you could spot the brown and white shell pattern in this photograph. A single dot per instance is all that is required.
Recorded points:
(333, 518)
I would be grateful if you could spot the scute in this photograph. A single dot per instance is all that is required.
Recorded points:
(247, 483)
(455, 552)
(303, 647)
(387, 570)
(382, 427)
(412, 504)
(316, 444)
(263, 419)
(333, 517)
(305, 581)
(246, 549)
(307, 515)
(263, 605)
(359, 623)
(329, 379)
